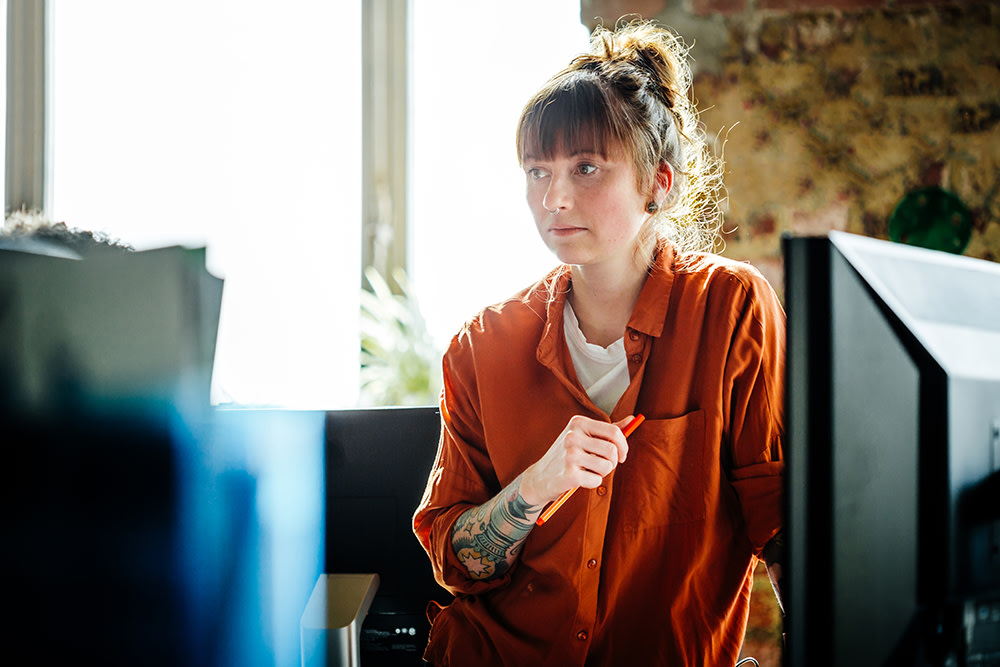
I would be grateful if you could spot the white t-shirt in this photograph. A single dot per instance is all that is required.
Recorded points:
(603, 371)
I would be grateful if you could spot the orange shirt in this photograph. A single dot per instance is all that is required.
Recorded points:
(653, 567)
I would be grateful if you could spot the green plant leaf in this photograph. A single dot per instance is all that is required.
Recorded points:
(400, 365)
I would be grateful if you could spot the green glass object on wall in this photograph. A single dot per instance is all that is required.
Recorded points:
(931, 218)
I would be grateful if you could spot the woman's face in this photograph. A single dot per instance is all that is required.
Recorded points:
(586, 205)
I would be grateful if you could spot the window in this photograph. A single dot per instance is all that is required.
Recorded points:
(234, 125)
(3, 87)
(229, 124)
(474, 67)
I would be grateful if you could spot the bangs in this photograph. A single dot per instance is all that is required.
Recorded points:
(569, 115)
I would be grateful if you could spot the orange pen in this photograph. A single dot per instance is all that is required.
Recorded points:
(558, 502)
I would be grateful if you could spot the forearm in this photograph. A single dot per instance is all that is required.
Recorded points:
(488, 539)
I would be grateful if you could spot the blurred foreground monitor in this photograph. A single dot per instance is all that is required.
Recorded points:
(893, 478)
(118, 330)
(138, 525)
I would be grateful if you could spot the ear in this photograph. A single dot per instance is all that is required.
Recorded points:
(663, 181)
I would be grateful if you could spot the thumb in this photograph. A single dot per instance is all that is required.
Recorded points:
(622, 423)
(623, 448)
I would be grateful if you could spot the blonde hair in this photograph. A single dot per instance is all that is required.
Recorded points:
(631, 93)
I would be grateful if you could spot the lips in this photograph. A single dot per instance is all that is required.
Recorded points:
(563, 230)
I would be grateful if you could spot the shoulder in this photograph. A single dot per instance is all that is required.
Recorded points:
(707, 263)
(502, 337)
(523, 315)
(726, 287)
(717, 272)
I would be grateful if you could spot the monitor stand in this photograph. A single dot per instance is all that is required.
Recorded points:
(331, 623)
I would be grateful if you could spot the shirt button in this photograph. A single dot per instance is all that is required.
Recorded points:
(602, 490)
(582, 635)
(636, 358)
(592, 563)
(634, 335)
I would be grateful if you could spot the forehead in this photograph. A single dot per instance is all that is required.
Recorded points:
(570, 115)
(559, 150)
(550, 142)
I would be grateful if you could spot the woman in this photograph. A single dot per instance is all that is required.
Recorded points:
(650, 562)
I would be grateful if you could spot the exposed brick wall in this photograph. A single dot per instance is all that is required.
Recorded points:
(606, 12)
(828, 117)
(829, 112)
(707, 7)
(806, 5)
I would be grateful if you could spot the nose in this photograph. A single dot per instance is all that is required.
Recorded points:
(556, 195)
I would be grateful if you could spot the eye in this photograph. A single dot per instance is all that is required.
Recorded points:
(586, 168)
(535, 173)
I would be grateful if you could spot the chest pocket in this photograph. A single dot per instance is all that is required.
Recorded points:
(663, 480)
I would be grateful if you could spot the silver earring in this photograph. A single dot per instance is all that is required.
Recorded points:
(652, 207)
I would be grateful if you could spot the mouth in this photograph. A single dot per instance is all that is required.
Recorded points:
(564, 230)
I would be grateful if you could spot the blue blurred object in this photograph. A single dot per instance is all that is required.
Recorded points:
(137, 524)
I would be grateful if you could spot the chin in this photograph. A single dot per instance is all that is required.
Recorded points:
(566, 256)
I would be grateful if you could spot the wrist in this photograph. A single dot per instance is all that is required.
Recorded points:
(527, 488)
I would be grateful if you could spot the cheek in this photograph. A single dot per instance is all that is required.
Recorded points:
(628, 220)
(535, 206)
(535, 197)
(532, 195)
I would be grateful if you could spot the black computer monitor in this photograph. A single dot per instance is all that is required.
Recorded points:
(377, 464)
(893, 447)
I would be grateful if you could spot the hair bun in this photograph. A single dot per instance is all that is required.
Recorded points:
(658, 52)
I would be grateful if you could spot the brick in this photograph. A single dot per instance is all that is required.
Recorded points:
(800, 5)
(773, 270)
(916, 4)
(707, 7)
(808, 223)
(593, 12)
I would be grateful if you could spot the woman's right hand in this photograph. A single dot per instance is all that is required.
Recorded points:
(585, 452)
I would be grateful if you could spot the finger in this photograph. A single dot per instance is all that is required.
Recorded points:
(596, 438)
(600, 465)
(619, 439)
(597, 445)
(622, 423)
(608, 431)
(628, 426)
(610, 443)
(589, 477)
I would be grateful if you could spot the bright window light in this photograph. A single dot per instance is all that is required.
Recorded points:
(3, 107)
(234, 125)
(475, 64)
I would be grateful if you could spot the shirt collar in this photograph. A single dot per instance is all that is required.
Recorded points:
(650, 310)
(553, 289)
(648, 316)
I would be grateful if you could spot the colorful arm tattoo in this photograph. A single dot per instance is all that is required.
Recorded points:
(487, 539)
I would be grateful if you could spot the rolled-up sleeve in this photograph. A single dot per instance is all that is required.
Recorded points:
(755, 376)
(462, 476)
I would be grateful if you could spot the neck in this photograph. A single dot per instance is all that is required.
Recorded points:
(603, 300)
